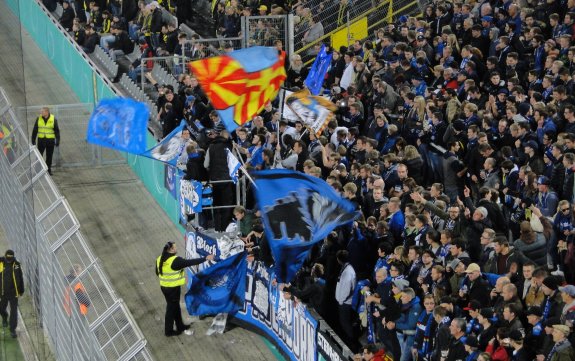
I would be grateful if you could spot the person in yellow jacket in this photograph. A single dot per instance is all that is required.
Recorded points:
(11, 288)
(48, 133)
(170, 271)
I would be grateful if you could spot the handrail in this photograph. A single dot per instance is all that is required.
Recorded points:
(313, 43)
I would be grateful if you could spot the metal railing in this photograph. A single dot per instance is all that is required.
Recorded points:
(75, 151)
(384, 12)
(56, 259)
(265, 30)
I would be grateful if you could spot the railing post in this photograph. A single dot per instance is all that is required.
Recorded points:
(390, 12)
(290, 47)
(142, 78)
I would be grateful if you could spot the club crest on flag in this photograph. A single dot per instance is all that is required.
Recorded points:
(314, 111)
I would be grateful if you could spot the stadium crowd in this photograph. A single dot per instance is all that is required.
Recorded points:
(454, 138)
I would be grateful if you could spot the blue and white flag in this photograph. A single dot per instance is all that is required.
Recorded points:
(233, 166)
(120, 124)
(190, 198)
(316, 75)
(219, 288)
(169, 149)
(298, 211)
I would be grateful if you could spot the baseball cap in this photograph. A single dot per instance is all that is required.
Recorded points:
(403, 19)
(563, 328)
(401, 284)
(9, 253)
(531, 144)
(503, 91)
(516, 335)
(486, 312)
(420, 37)
(569, 289)
(487, 18)
(263, 7)
(454, 263)
(471, 341)
(551, 321)
(551, 282)
(543, 180)
(473, 305)
(473, 267)
(534, 310)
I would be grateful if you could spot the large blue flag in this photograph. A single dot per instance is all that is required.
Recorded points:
(169, 149)
(220, 288)
(316, 75)
(119, 123)
(298, 210)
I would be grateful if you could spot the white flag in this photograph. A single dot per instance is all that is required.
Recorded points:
(233, 166)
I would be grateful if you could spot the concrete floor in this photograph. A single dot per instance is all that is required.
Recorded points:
(122, 222)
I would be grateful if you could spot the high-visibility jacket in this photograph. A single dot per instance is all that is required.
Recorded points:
(5, 133)
(67, 303)
(170, 277)
(46, 127)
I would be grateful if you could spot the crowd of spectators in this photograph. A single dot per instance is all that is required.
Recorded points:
(455, 140)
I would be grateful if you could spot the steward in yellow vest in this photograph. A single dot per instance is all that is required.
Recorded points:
(170, 271)
(48, 134)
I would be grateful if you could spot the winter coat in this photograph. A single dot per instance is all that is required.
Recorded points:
(536, 251)
(410, 312)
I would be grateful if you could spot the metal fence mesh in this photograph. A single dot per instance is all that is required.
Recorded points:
(75, 151)
(266, 30)
(55, 257)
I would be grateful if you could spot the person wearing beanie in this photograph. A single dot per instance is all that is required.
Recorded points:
(535, 335)
(485, 319)
(516, 341)
(12, 288)
(553, 304)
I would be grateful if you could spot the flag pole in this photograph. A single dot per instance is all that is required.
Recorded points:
(243, 168)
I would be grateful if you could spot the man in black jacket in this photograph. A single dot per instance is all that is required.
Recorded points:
(122, 44)
(456, 346)
(12, 288)
(216, 163)
(91, 39)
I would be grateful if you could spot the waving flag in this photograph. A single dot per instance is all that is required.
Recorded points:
(298, 210)
(220, 288)
(190, 198)
(233, 166)
(314, 111)
(169, 148)
(240, 83)
(316, 75)
(120, 124)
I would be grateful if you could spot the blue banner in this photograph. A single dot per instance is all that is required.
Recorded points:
(316, 75)
(298, 210)
(169, 149)
(220, 288)
(120, 124)
(170, 179)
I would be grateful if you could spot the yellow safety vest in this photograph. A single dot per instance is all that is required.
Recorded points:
(46, 127)
(170, 277)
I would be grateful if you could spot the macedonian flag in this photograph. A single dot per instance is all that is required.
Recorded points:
(240, 83)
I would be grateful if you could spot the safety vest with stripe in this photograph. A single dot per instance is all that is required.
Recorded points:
(170, 277)
(46, 127)
(5, 133)
(67, 303)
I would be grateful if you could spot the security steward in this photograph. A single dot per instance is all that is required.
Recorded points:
(170, 270)
(48, 133)
(11, 289)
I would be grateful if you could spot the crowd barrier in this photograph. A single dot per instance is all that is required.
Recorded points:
(90, 85)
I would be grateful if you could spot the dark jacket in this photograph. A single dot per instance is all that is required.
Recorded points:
(514, 256)
(90, 42)
(456, 350)
(67, 18)
(123, 42)
(12, 280)
(157, 22)
(195, 167)
(218, 160)
(536, 251)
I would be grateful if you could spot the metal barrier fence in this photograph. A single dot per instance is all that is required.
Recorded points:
(74, 150)
(57, 261)
(359, 26)
(265, 30)
(205, 48)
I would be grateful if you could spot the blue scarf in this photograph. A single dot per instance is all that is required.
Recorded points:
(425, 349)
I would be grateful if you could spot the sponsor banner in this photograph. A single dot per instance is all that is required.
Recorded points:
(327, 348)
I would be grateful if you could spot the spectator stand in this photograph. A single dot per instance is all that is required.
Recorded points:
(73, 121)
(357, 26)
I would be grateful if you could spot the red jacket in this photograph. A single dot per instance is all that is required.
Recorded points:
(499, 354)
